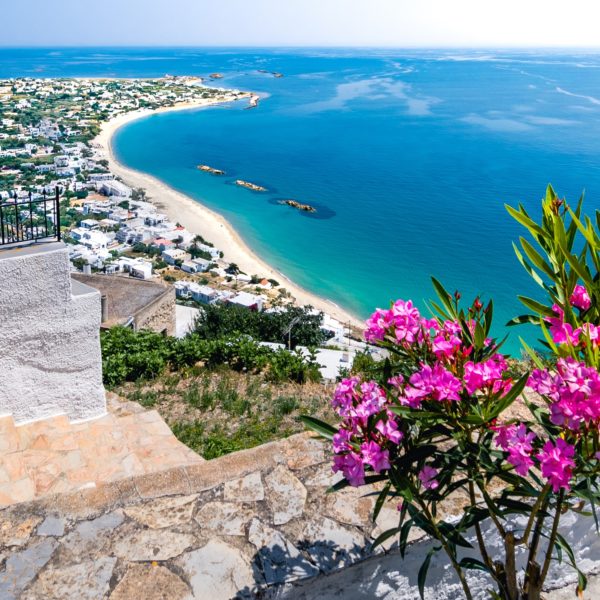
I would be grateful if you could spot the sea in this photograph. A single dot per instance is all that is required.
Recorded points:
(409, 157)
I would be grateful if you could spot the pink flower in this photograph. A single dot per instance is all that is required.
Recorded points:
(444, 348)
(377, 325)
(351, 465)
(345, 395)
(389, 430)
(487, 374)
(341, 441)
(406, 320)
(574, 391)
(373, 455)
(504, 433)
(556, 463)
(561, 332)
(396, 381)
(452, 327)
(519, 450)
(543, 383)
(516, 440)
(373, 399)
(427, 476)
(436, 384)
(580, 298)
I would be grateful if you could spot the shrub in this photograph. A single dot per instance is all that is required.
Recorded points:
(434, 418)
(128, 356)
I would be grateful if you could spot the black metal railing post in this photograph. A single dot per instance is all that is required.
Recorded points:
(31, 217)
(57, 215)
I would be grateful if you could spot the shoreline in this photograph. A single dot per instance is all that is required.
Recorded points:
(198, 218)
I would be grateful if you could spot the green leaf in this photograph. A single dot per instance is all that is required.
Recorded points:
(437, 308)
(508, 398)
(536, 258)
(380, 500)
(323, 429)
(489, 314)
(523, 319)
(473, 563)
(453, 534)
(403, 540)
(413, 455)
(479, 335)
(532, 354)
(580, 268)
(444, 296)
(422, 576)
(533, 274)
(343, 483)
(536, 306)
(521, 217)
(386, 535)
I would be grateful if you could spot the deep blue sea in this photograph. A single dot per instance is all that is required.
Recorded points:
(409, 157)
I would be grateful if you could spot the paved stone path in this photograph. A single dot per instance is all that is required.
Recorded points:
(254, 524)
(56, 456)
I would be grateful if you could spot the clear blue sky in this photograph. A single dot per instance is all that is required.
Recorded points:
(400, 23)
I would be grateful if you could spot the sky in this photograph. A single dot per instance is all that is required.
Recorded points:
(390, 23)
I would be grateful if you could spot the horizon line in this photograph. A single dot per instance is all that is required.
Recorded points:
(305, 47)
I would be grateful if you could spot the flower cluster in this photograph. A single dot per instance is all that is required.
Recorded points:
(517, 441)
(441, 372)
(563, 332)
(573, 391)
(443, 369)
(556, 463)
(367, 429)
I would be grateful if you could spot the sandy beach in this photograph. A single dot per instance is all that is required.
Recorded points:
(197, 218)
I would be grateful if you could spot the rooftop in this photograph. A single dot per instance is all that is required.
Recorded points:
(125, 296)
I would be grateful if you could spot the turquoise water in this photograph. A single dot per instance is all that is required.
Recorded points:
(408, 157)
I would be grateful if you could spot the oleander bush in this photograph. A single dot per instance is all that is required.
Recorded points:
(444, 415)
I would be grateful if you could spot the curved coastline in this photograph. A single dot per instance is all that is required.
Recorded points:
(198, 218)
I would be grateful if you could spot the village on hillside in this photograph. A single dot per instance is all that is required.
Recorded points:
(47, 131)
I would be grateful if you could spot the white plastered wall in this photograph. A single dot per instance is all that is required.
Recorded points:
(50, 360)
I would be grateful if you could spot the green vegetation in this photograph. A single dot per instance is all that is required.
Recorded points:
(130, 356)
(295, 325)
(238, 395)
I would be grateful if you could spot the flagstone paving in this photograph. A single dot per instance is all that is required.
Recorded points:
(57, 456)
(254, 524)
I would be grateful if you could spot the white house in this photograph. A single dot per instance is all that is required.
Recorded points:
(249, 301)
(173, 254)
(92, 239)
(114, 188)
(204, 294)
(142, 269)
(89, 224)
(330, 362)
(196, 265)
(101, 177)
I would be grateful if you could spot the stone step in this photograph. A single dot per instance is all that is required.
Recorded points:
(56, 456)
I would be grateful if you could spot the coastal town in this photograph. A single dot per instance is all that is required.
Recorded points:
(48, 133)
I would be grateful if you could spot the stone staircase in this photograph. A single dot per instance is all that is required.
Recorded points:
(57, 456)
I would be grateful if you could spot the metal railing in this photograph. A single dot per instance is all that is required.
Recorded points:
(30, 219)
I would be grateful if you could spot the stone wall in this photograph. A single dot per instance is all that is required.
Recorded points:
(50, 361)
(253, 524)
(158, 316)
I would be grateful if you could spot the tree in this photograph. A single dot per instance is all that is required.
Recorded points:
(232, 269)
(217, 321)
